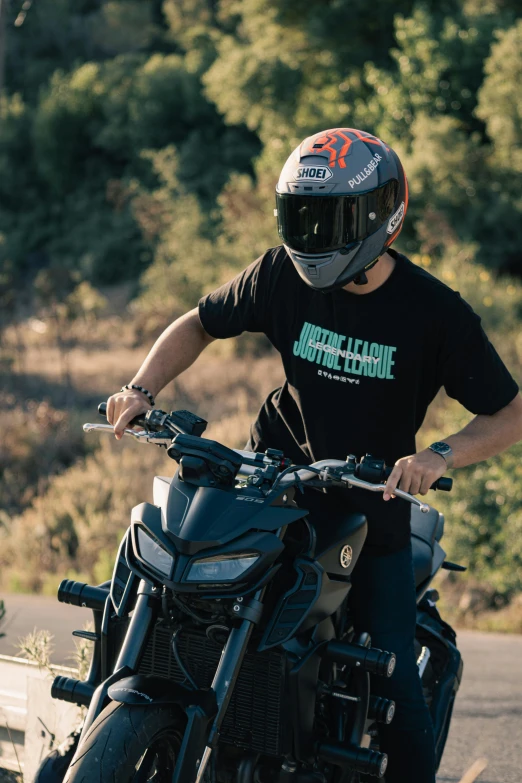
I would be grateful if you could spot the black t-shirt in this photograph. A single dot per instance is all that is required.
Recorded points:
(361, 369)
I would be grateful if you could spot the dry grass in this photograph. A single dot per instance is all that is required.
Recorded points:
(468, 603)
(218, 384)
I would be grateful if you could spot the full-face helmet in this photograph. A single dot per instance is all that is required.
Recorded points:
(341, 201)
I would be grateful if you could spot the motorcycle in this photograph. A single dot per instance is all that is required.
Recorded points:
(223, 649)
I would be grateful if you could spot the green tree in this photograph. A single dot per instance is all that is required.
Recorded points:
(500, 107)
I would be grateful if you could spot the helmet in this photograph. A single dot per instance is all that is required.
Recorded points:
(341, 201)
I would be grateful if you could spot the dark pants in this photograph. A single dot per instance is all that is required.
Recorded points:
(383, 603)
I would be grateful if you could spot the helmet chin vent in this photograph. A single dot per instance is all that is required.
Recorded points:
(308, 188)
(306, 259)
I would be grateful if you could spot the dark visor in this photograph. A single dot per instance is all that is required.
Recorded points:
(319, 224)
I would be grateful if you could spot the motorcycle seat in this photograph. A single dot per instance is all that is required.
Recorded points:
(426, 529)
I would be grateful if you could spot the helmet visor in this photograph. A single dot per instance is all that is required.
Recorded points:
(320, 224)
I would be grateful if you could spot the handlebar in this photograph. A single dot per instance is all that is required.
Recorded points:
(369, 474)
(349, 479)
(154, 420)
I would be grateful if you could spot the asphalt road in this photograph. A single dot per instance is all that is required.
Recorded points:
(488, 714)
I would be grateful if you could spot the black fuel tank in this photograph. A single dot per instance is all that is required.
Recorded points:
(339, 543)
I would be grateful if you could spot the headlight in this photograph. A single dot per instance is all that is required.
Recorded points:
(221, 568)
(154, 554)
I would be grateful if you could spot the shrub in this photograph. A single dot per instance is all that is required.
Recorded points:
(37, 442)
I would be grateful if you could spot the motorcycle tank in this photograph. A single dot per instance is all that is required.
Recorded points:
(197, 518)
(337, 547)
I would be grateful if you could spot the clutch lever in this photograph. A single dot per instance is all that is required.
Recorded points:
(158, 438)
(353, 481)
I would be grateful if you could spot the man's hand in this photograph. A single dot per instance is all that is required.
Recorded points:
(415, 474)
(123, 407)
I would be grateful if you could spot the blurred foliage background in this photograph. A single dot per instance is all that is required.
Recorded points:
(140, 142)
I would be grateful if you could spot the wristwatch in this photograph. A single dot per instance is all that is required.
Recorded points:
(444, 450)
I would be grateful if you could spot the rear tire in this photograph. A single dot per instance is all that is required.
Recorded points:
(125, 741)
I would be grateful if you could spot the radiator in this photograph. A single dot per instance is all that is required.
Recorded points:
(254, 719)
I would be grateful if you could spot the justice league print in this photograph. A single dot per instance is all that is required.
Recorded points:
(349, 354)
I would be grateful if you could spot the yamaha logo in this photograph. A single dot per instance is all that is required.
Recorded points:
(346, 556)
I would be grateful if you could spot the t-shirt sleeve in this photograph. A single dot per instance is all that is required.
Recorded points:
(472, 371)
(239, 305)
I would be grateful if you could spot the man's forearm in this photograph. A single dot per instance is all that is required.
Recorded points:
(486, 436)
(482, 438)
(173, 352)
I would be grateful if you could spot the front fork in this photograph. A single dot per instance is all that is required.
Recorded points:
(140, 626)
(192, 762)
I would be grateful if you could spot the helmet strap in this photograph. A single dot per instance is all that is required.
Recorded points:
(361, 278)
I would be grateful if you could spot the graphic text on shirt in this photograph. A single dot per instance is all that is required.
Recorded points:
(361, 357)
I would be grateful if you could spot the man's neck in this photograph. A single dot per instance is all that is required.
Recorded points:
(377, 275)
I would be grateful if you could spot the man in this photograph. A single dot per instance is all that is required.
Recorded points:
(367, 339)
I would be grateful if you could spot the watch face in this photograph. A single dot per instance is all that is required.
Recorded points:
(440, 447)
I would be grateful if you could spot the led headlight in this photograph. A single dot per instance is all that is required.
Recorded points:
(221, 568)
(154, 554)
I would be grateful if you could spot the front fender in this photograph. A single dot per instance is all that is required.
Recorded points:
(199, 706)
(149, 691)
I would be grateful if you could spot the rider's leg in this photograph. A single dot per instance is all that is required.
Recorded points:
(383, 603)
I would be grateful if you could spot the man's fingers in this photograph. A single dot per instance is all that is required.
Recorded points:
(119, 427)
(110, 410)
(427, 481)
(414, 474)
(392, 481)
(414, 485)
(123, 407)
(124, 419)
(127, 415)
(405, 482)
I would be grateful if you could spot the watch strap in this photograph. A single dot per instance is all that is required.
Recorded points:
(446, 454)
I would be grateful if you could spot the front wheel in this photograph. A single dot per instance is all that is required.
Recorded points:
(129, 744)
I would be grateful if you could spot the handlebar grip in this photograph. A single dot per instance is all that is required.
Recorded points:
(137, 421)
(444, 484)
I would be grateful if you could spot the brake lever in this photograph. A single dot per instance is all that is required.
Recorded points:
(353, 481)
(158, 438)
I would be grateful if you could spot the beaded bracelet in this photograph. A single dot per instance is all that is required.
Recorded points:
(140, 389)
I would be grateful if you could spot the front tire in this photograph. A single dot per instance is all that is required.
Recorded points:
(129, 744)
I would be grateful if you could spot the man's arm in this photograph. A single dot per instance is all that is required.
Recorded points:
(173, 352)
(482, 438)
